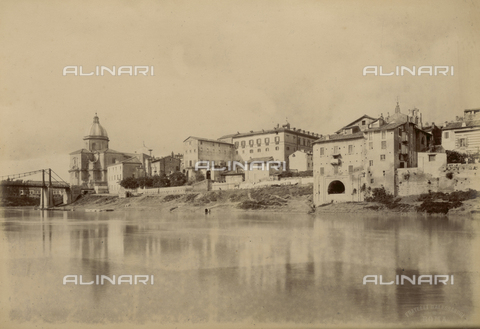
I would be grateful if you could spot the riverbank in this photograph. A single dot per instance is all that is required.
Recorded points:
(291, 199)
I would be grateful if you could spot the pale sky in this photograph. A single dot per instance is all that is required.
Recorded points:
(221, 67)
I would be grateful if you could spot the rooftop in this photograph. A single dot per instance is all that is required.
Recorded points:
(351, 123)
(295, 131)
(339, 137)
(133, 159)
(207, 140)
(460, 124)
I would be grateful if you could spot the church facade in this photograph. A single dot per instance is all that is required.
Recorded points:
(88, 165)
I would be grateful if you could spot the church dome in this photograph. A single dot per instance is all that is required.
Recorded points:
(96, 130)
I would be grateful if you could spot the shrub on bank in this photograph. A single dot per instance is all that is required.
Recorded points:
(171, 197)
(448, 201)
(379, 195)
(190, 197)
(452, 197)
(382, 196)
(19, 201)
(432, 207)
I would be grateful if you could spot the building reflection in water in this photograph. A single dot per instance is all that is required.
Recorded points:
(263, 268)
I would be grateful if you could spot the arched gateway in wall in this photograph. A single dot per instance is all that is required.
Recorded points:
(336, 187)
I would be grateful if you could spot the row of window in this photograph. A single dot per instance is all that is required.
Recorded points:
(251, 142)
(260, 150)
(258, 142)
(213, 144)
(335, 170)
(384, 134)
(383, 145)
(115, 177)
(336, 149)
(461, 142)
(350, 171)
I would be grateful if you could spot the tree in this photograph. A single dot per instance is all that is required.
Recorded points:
(177, 179)
(145, 182)
(161, 181)
(129, 182)
(457, 157)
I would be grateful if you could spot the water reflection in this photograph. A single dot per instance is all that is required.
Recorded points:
(234, 267)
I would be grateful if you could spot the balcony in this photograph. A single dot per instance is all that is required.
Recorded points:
(335, 162)
(403, 157)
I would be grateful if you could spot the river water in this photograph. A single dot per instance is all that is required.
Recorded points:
(246, 268)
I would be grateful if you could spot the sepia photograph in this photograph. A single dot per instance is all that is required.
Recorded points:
(239, 164)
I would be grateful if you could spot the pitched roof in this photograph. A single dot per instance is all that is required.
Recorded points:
(113, 151)
(207, 140)
(131, 160)
(106, 151)
(270, 131)
(351, 123)
(459, 124)
(80, 151)
(388, 126)
(166, 157)
(339, 137)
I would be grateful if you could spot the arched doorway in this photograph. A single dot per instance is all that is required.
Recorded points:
(336, 187)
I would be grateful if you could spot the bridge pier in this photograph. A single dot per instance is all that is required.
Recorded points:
(67, 196)
(46, 198)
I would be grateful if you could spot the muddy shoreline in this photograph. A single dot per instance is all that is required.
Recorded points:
(289, 199)
(285, 199)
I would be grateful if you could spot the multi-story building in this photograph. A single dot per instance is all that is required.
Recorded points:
(301, 161)
(357, 158)
(165, 165)
(179, 156)
(216, 152)
(463, 135)
(436, 139)
(277, 143)
(116, 172)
